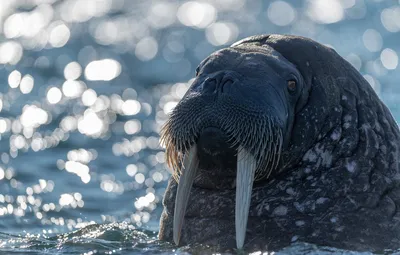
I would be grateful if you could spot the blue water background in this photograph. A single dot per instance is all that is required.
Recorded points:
(85, 86)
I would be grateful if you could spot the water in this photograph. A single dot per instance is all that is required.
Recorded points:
(86, 85)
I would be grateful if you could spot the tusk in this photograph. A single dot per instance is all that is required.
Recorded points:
(246, 168)
(190, 165)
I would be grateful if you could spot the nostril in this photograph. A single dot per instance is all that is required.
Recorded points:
(226, 82)
(218, 83)
(210, 85)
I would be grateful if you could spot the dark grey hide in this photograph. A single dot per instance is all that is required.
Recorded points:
(337, 183)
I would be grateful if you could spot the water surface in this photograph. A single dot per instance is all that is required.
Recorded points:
(86, 85)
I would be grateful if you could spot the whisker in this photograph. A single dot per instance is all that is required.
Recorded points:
(264, 139)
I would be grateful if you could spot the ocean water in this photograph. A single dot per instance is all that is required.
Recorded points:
(86, 85)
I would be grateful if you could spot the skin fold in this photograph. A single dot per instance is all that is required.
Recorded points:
(327, 150)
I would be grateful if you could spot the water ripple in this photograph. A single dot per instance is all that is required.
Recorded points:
(86, 86)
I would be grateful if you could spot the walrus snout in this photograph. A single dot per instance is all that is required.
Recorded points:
(212, 142)
(215, 153)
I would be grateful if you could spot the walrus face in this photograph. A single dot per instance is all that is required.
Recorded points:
(235, 120)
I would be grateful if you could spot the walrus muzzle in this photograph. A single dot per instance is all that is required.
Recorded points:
(221, 120)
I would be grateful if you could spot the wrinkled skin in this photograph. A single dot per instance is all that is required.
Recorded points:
(338, 179)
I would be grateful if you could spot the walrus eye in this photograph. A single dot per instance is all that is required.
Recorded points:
(291, 84)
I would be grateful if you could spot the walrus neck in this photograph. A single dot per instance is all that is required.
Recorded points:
(353, 129)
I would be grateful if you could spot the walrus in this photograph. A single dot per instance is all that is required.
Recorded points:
(277, 140)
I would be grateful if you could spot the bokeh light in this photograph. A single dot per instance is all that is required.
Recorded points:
(72, 71)
(390, 19)
(59, 34)
(196, 14)
(281, 13)
(222, 33)
(26, 84)
(102, 70)
(54, 95)
(87, 86)
(14, 79)
(389, 59)
(146, 49)
(10, 52)
(325, 11)
(372, 40)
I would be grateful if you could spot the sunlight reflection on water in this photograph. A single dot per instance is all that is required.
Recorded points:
(84, 94)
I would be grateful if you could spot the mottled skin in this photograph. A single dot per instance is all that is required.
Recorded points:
(338, 181)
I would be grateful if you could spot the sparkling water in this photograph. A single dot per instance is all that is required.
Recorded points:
(86, 85)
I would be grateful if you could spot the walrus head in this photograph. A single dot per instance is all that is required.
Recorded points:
(294, 116)
(235, 119)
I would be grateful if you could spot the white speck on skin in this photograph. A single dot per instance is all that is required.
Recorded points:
(344, 98)
(299, 207)
(377, 126)
(310, 156)
(347, 118)
(326, 158)
(280, 210)
(334, 219)
(320, 155)
(351, 166)
(294, 238)
(335, 135)
(300, 223)
(339, 229)
(290, 191)
(396, 177)
(321, 200)
(262, 207)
